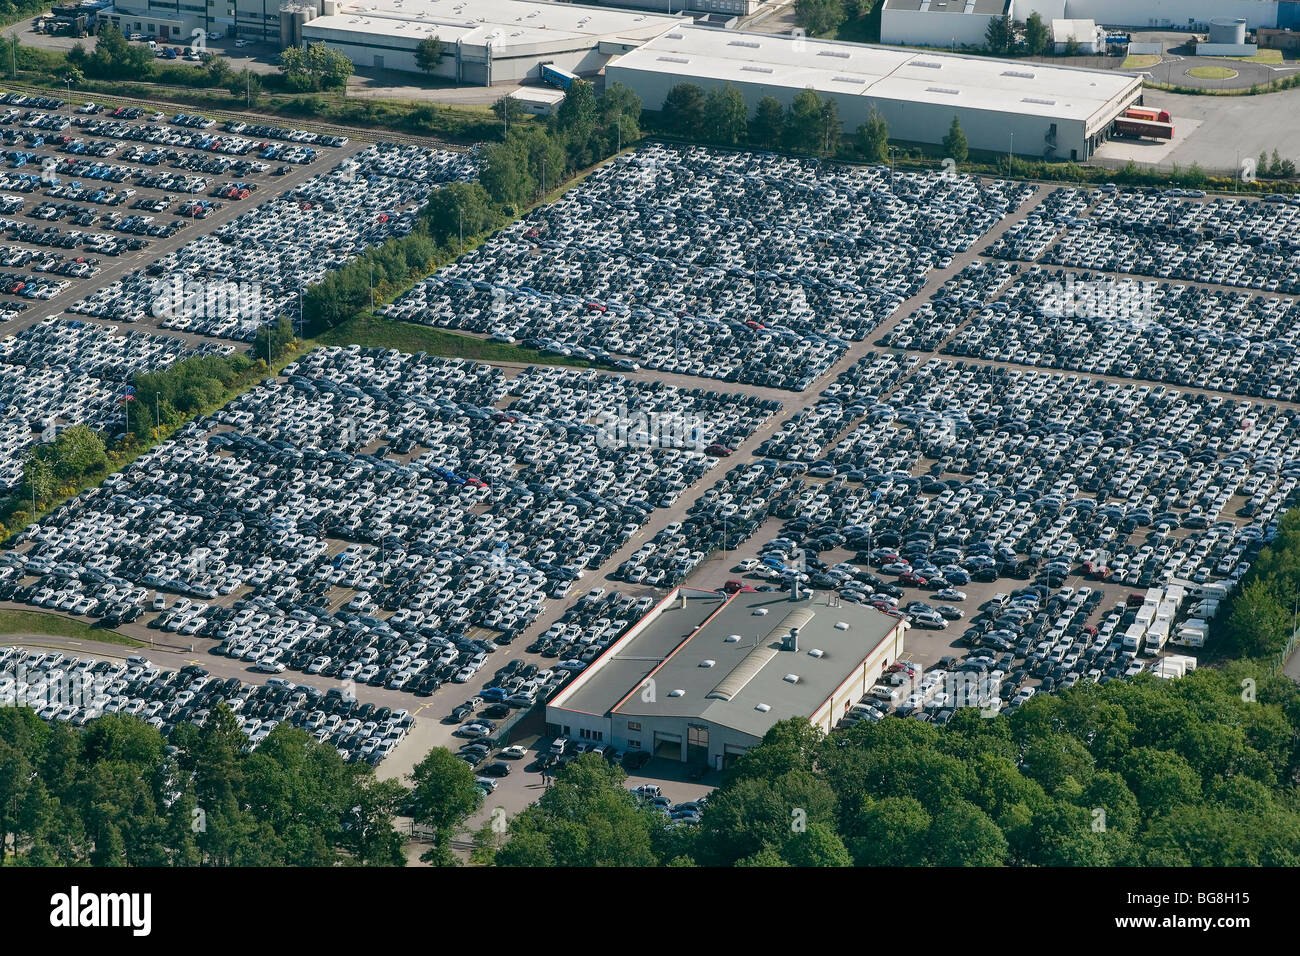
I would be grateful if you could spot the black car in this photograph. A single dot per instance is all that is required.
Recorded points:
(498, 768)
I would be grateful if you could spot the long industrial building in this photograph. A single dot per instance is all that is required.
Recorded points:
(705, 675)
(1164, 14)
(1030, 109)
(484, 42)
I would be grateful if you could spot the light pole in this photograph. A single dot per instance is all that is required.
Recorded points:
(1011, 149)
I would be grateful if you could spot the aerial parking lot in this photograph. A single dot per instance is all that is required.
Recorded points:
(741, 267)
(374, 516)
(1014, 415)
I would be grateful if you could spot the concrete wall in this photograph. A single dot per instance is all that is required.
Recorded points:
(914, 28)
(996, 131)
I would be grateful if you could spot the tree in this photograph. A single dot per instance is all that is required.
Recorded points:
(444, 796)
(428, 54)
(1275, 165)
(620, 116)
(819, 17)
(683, 111)
(872, 139)
(1072, 47)
(458, 210)
(1258, 623)
(586, 818)
(72, 75)
(39, 483)
(1036, 35)
(999, 36)
(767, 128)
(725, 114)
(575, 120)
(314, 67)
(218, 69)
(809, 125)
(954, 144)
(509, 111)
(504, 173)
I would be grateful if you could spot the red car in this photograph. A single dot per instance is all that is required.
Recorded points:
(912, 578)
(718, 451)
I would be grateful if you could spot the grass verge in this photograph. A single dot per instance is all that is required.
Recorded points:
(1211, 72)
(1140, 61)
(374, 331)
(55, 625)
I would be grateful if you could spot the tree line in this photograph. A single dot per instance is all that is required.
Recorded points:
(1190, 772)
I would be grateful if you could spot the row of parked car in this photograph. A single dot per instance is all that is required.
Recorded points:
(80, 689)
(290, 241)
(733, 266)
(67, 371)
(1246, 243)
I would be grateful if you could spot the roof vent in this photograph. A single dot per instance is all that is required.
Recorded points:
(762, 708)
(942, 89)
(1023, 74)
(674, 36)
(733, 638)
(760, 611)
(673, 59)
(753, 44)
(791, 678)
(841, 625)
(677, 693)
(849, 79)
(928, 64)
(707, 663)
(816, 652)
(839, 53)
(1038, 100)
(756, 69)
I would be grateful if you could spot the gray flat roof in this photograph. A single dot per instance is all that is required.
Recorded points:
(688, 52)
(983, 7)
(741, 637)
(507, 23)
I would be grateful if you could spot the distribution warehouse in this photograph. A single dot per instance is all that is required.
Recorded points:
(483, 41)
(705, 675)
(1030, 109)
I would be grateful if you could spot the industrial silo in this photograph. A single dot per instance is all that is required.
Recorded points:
(1228, 30)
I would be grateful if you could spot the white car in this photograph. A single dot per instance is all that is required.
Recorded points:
(749, 564)
(514, 752)
(269, 667)
(241, 43)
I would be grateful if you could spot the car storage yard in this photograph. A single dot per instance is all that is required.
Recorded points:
(993, 387)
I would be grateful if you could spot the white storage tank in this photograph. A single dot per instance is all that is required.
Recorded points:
(1228, 30)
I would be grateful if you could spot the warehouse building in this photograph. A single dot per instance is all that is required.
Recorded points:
(705, 675)
(948, 24)
(485, 42)
(1165, 14)
(1087, 37)
(1031, 109)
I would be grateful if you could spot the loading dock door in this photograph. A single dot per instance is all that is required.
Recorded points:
(668, 746)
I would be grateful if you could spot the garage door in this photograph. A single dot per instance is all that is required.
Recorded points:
(668, 746)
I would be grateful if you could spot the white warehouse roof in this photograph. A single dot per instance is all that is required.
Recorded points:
(508, 23)
(878, 72)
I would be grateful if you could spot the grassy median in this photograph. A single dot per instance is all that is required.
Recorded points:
(54, 625)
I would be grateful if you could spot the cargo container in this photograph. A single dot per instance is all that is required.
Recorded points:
(1147, 113)
(1128, 126)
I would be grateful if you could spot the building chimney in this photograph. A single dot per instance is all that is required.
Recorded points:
(681, 599)
(794, 587)
(792, 642)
